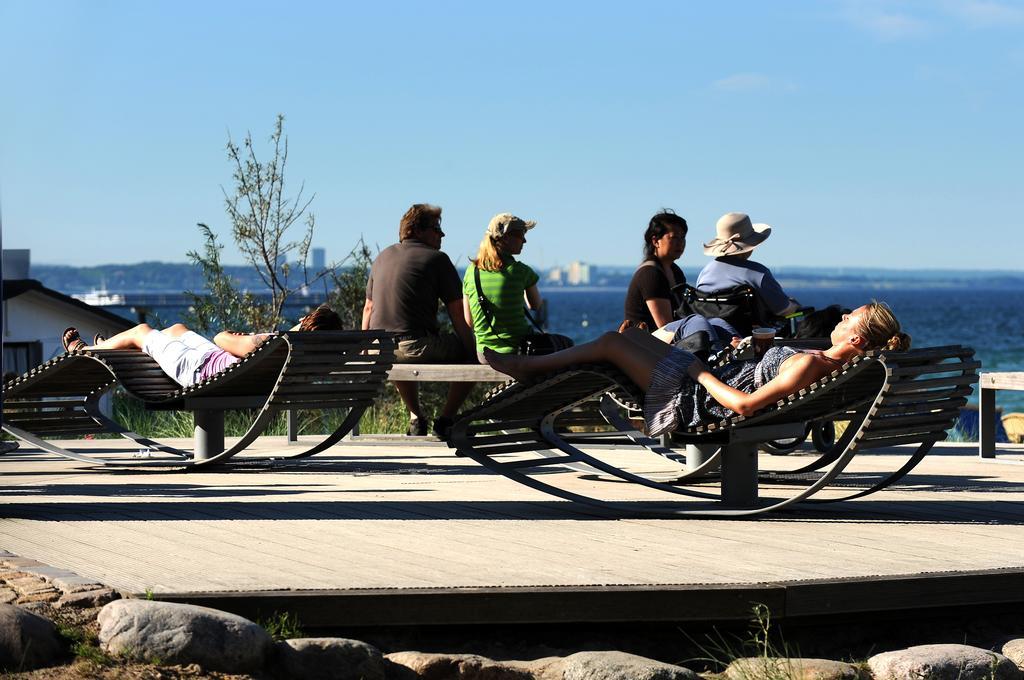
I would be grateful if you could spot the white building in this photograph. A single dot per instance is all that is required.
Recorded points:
(578, 274)
(319, 259)
(34, 317)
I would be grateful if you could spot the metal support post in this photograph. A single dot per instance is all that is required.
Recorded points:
(698, 454)
(739, 474)
(986, 422)
(293, 425)
(209, 433)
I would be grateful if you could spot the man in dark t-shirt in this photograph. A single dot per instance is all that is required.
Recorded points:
(406, 281)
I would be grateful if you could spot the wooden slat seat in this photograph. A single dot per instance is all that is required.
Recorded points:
(294, 369)
(890, 398)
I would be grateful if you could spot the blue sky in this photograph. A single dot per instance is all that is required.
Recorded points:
(882, 134)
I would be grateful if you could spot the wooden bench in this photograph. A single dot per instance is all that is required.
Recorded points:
(890, 398)
(988, 383)
(421, 373)
(290, 370)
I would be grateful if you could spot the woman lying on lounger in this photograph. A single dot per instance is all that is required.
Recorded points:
(670, 375)
(190, 358)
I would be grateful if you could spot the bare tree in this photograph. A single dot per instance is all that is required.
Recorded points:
(262, 213)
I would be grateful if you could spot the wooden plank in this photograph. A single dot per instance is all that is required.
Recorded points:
(881, 593)
(446, 373)
(1002, 381)
(957, 367)
(452, 606)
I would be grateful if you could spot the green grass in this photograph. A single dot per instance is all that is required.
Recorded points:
(282, 626)
(764, 647)
(84, 643)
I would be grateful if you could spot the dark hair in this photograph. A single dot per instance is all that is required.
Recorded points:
(323, 318)
(661, 224)
(417, 218)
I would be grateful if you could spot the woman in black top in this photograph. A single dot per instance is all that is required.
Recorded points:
(649, 299)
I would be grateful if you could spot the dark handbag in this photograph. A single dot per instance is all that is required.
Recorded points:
(534, 343)
(544, 343)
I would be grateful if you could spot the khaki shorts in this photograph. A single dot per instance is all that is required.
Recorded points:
(431, 349)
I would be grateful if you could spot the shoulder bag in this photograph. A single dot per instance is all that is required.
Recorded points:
(532, 343)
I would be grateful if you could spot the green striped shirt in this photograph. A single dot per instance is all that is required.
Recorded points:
(504, 288)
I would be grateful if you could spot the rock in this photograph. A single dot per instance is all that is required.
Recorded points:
(1014, 651)
(546, 668)
(456, 667)
(87, 598)
(943, 662)
(75, 584)
(620, 666)
(7, 596)
(27, 641)
(47, 595)
(754, 668)
(17, 562)
(40, 608)
(29, 585)
(174, 633)
(330, 659)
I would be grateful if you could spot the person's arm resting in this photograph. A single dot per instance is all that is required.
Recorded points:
(792, 377)
(456, 312)
(532, 296)
(661, 310)
(367, 309)
(238, 344)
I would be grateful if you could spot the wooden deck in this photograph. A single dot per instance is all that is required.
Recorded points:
(385, 534)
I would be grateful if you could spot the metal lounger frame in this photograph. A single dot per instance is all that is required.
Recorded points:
(890, 398)
(290, 370)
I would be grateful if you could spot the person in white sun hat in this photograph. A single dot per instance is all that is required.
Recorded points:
(734, 243)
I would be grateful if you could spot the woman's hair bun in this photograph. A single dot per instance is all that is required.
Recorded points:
(898, 343)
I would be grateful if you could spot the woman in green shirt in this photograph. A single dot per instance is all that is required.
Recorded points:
(498, 321)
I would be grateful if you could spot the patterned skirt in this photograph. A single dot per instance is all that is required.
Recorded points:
(671, 393)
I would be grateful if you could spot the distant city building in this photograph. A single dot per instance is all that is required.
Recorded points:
(555, 275)
(319, 259)
(579, 274)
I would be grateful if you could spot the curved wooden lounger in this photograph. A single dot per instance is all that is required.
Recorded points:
(890, 398)
(290, 370)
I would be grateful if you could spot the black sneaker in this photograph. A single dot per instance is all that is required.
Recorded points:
(443, 428)
(417, 428)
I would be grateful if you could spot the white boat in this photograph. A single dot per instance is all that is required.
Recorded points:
(100, 298)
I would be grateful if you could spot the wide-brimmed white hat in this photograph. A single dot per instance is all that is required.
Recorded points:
(502, 223)
(736, 235)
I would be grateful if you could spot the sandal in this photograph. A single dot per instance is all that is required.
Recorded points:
(72, 339)
(98, 338)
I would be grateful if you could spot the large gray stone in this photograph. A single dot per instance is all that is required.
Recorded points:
(757, 668)
(546, 668)
(1014, 651)
(456, 667)
(174, 633)
(330, 659)
(943, 662)
(620, 666)
(27, 641)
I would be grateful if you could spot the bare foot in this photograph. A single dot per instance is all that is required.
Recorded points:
(511, 365)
